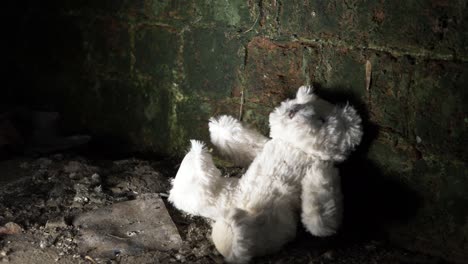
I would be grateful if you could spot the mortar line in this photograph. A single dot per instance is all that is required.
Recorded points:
(425, 54)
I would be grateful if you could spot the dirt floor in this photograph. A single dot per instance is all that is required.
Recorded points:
(40, 198)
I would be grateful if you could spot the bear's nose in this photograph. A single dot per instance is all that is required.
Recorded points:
(294, 109)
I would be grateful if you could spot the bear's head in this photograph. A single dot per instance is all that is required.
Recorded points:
(316, 126)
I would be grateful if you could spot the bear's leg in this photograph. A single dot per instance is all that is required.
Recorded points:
(321, 200)
(241, 235)
(198, 183)
(235, 141)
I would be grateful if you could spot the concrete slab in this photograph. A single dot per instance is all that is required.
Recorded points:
(127, 228)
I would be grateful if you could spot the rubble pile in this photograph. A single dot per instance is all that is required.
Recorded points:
(68, 209)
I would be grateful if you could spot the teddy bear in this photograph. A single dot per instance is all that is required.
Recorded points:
(289, 176)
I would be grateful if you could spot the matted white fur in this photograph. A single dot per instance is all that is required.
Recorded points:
(290, 173)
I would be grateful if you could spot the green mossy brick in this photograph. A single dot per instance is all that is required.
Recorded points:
(340, 69)
(107, 43)
(155, 51)
(232, 13)
(211, 61)
(135, 113)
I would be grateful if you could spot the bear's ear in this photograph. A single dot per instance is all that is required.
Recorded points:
(305, 94)
(341, 132)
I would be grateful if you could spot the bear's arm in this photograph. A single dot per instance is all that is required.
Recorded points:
(321, 199)
(235, 141)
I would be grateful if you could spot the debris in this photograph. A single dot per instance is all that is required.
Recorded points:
(128, 228)
(41, 200)
(255, 23)
(58, 222)
(10, 228)
(202, 250)
(44, 163)
(241, 107)
(95, 178)
(165, 195)
(43, 244)
(370, 246)
(73, 167)
(330, 255)
(90, 259)
(132, 177)
(368, 74)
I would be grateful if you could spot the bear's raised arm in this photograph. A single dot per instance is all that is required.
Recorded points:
(235, 141)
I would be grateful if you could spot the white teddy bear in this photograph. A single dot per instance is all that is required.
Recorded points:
(290, 173)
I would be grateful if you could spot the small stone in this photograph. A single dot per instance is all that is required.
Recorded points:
(185, 249)
(96, 177)
(5, 259)
(58, 157)
(55, 223)
(44, 162)
(370, 247)
(42, 244)
(201, 251)
(3, 253)
(330, 255)
(98, 189)
(131, 233)
(80, 199)
(10, 228)
(180, 257)
(72, 166)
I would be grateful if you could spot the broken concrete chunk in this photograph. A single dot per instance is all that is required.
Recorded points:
(127, 228)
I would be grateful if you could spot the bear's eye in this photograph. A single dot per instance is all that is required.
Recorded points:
(294, 109)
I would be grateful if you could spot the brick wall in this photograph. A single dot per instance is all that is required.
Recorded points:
(150, 73)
